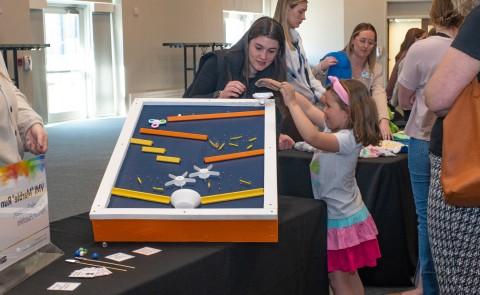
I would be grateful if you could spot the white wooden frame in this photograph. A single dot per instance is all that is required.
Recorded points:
(100, 210)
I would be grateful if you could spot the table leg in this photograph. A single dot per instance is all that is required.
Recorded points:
(15, 68)
(194, 67)
(185, 67)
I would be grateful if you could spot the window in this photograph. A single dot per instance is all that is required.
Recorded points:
(237, 23)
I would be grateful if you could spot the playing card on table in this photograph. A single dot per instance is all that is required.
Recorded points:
(64, 286)
(147, 251)
(119, 257)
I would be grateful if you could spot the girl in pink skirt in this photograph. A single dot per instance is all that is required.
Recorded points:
(348, 121)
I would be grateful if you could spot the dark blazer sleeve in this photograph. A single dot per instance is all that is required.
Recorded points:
(206, 79)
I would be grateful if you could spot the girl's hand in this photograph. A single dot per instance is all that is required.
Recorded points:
(285, 88)
(288, 92)
(269, 83)
(384, 125)
(233, 89)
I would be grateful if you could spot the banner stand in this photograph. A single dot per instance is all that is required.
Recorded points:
(28, 266)
(25, 245)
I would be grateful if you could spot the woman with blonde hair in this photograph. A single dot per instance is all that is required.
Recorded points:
(454, 231)
(290, 14)
(361, 53)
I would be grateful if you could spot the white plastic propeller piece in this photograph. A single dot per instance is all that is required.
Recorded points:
(179, 180)
(204, 173)
(185, 199)
(262, 95)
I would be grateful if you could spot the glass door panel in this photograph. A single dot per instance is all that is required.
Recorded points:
(397, 28)
(66, 64)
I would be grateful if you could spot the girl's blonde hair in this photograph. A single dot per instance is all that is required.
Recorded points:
(362, 112)
(281, 16)
(372, 58)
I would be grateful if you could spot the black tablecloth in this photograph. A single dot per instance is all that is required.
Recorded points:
(295, 265)
(386, 190)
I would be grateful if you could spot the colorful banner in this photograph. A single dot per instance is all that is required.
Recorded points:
(24, 224)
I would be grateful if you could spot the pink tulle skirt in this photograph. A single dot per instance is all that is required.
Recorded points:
(353, 258)
(352, 242)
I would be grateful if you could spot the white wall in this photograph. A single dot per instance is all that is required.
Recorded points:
(147, 24)
(15, 22)
(409, 9)
(322, 31)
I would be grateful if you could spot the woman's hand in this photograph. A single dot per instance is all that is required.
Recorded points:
(36, 140)
(327, 62)
(233, 89)
(285, 142)
(384, 125)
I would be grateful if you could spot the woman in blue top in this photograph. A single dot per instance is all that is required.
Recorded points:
(361, 54)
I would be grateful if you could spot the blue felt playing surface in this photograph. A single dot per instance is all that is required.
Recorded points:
(152, 173)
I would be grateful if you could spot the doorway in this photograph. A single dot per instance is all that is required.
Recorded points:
(397, 28)
(67, 63)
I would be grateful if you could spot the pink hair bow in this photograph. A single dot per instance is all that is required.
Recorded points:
(339, 90)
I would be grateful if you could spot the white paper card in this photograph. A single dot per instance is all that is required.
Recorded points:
(90, 272)
(119, 257)
(147, 251)
(64, 286)
(81, 273)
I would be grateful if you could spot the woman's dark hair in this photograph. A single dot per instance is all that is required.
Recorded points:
(444, 13)
(411, 36)
(268, 27)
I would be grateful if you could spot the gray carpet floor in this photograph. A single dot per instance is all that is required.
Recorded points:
(78, 155)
